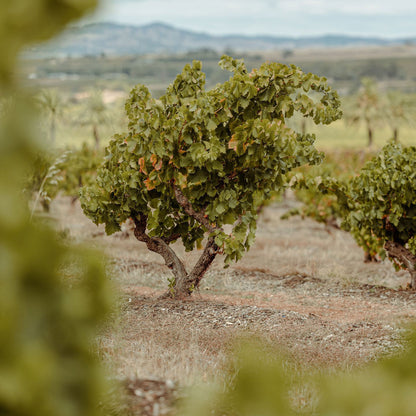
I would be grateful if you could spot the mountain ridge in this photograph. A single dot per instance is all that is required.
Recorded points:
(115, 39)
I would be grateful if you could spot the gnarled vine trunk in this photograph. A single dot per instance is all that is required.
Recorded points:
(403, 256)
(184, 283)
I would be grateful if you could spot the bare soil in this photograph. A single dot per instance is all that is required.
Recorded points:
(300, 288)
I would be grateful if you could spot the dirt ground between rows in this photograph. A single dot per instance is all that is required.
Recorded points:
(300, 288)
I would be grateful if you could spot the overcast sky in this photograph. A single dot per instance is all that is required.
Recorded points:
(384, 18)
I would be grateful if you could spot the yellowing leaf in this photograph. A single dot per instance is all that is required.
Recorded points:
(232, 144)
(153, 159)
(142, 165)
(149, 184)
(158, 165)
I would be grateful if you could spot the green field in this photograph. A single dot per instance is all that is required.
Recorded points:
(334, 136)
(340, 135)
(393, 68)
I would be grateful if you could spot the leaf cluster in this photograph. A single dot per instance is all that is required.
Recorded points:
(382, 198)
(321, 206)
(267, 382)
(79, 169)
(376, 205)
(226, 149)
(62, 173)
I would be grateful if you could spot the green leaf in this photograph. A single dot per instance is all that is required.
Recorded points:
(220, 208)
(112, 227)
(212, 125)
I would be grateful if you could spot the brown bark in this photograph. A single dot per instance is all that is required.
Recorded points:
(185, 283)
(96, 136)
(332, 222)
(370, 137)
(202, 265)
(186, 205)
(396, 135)
(159, 246)
(303, 126)
(403, 256)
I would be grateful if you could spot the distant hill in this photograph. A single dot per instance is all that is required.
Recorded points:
(114, 39)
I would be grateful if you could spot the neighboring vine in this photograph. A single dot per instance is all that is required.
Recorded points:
(378, 205)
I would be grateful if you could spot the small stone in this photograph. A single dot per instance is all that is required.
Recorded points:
(170, 384)
(138, 393)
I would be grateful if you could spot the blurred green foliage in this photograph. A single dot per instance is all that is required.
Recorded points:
(61, 172)
(264, 382)
(79, 169)
(375, 110)
(324, 207)
(44, 179)
(24, 22)
(400, 110)
(47, 326)
(380, 202)
(366, 108)
(94, 114)
(383, 389)
(52, 297)
(376, 205)
(257, 384)
(52, 104)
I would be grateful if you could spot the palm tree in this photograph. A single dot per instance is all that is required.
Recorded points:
(366, 108)
(399, 109)
(95, 114)
(52, 104)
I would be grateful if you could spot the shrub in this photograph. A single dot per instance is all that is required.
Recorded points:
(323, 207)
(267, 383)
(61, 173)
(47, 366)
(380, 202)
(378, 205)
(195, 160)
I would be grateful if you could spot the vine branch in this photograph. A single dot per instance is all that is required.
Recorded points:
(404, 256)
(158, 245)
(184, 202)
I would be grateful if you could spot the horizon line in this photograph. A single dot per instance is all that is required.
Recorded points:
(80, 24)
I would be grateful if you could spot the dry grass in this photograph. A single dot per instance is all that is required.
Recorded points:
(299, 288)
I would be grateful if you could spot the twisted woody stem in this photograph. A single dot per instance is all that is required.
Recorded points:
(405, 257)
(185, 282)
(158, 245)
